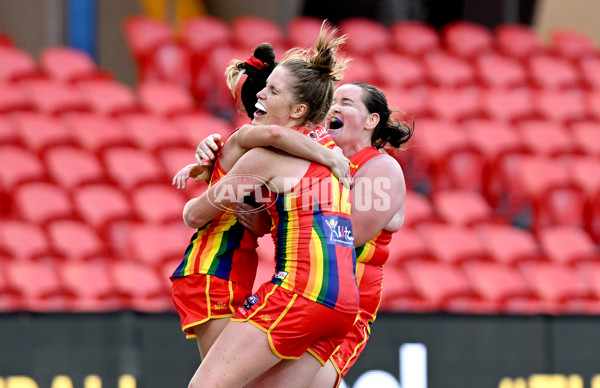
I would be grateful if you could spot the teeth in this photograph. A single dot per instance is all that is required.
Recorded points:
(259, 106)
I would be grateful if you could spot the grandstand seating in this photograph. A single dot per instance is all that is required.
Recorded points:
(503, 200)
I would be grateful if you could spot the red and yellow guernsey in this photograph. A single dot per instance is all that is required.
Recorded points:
(312, 231)
(223, 247)
(371, 256)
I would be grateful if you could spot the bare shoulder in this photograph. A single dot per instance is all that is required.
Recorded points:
(382, 165)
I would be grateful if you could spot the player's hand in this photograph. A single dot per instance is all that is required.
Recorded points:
(340, 166)
(254, 219)
(208, 149)
(195, 171)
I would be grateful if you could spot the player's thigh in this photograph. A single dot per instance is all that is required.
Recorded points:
(290, 373)
(207, 333)
(239, 355)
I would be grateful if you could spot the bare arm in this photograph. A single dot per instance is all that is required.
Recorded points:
(378, 198)
(295, 143)
(241, 180)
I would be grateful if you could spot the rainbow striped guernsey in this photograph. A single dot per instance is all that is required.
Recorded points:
(222, 248)
(372, 255)
(314, 249)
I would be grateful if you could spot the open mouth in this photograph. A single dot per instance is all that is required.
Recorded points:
(260, 110)
(335, 123)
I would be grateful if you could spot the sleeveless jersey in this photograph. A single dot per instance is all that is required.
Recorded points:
(372, 255)
(312, 232)
(223, 247)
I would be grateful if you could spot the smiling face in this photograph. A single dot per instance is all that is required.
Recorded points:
(348, 120)
(276, 102)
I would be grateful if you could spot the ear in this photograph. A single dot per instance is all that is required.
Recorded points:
(372, 121)
(298, 111)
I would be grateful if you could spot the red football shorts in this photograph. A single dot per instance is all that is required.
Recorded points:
(354, 343)
(295, 324)
(199, 298)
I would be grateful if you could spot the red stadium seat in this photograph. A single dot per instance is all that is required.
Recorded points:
(204, 33)
(91, 284)
(407, 104)
(584, 171)
(419, 210)
(215, 95)
(546, 186)
(453, 244)
(21, 166)
(303, 31)
(152, 133)
(17, 65)
(591, 276)
(462, 207)
(365, 36)
(170, 63)
(22, 240)
(8, 133)
(54, 97)
(108, 97)
(143, 36)
(592, 102)
(443, 69)
(497, 71)
(72, 166)
(101, 205)
(561, 106)
(509, 245)
(571, 44)
(10, 297)
(40, 286)
(159, 203)
(548, 72)
(586, 136)
(567, 245)
(517, 41)
(399, 294)
(407, 245)
(140, 288)
(507, 104)
(152, 244)
(414, 38)
(361, 69)
(448, 154)
(40, 202)
(466, 39)
(6, 40)
(562, 288)
(453, 105)
(590, 71)
(195, 127)
(174, 159)
(505, 287)
(446, 288)
(39, 132)
(546, 138)
(76, 240)
(501, 147)
(397, 71)
(69, 65)
(249, 31)
(96, 132)
(13, 98)
(164, 98)
(131, 167)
